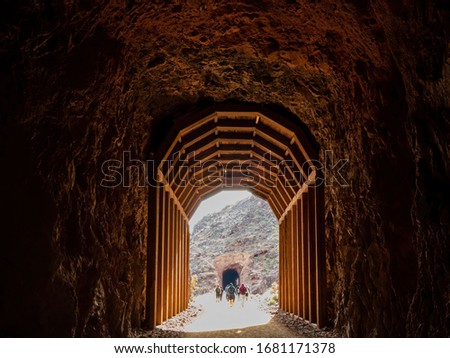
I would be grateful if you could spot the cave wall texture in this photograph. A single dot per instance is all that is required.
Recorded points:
(83, 81)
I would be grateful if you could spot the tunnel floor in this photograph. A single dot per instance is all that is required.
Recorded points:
(270, 323)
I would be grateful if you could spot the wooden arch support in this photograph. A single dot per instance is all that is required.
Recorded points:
(225, 134)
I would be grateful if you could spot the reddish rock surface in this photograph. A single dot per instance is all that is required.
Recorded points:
(81, 82)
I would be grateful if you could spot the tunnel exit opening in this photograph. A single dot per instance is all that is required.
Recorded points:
(243, 147)
(230, 276)
(234, 230)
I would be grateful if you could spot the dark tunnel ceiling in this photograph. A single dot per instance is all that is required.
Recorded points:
(236, 148)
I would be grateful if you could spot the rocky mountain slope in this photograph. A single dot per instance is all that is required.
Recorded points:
(243, 235)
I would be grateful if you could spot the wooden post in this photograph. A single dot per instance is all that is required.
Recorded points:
(296, 310)
(305, 269)
(171, 257)
(186, 264)
(185, 261)
(321, 257)
(302, 249)
(180, 264)
(180, 260)
(152, 257)
(312, 254)
(188, 271)
(176, 263)
(289, 261)
(284, 289)
(166, 256)
(280, 266)
(300, 257)
(160, 257)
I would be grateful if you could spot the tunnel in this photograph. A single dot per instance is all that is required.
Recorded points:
(237, 145)
(118, 118)
(230, 276)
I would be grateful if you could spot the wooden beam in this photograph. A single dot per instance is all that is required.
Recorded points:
(287, 128)
(289, 263)
(195, 197)
(312, 255)
(254, 156)
(165, 279)
(286, 266)
(183, 138)
(284, 194)
(296, 278)
(161, 257)
(217, 164)
(175, 259)
(281, 270)
(223, 161)
(300, 256)
(215, 134)
(187, 262)
(306, 255)
(299, 209)
(180, 127)
(169, 256)
(194, 119)
(302, 190)
(299, 156)
(255, 191)
(208, 146)
(234, 126)
(181, 267)
(172, 194)
(152, 259)
(321, 279)
(238, 170)
(180, 263)
(188, 274)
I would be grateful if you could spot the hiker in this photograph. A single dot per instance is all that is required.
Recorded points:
(231, 292)
(219, 293)
(243, 292)
(226, 291)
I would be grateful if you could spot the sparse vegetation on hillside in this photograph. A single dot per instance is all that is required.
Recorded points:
(273, 298)
(194, 286)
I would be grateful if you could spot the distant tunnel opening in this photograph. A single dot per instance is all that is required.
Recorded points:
(230, 276)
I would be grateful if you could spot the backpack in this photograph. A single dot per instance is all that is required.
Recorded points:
(218, 290)
(231, 290)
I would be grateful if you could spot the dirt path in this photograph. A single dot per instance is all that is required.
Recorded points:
(222, 320)
(207, 319)
(272, 329)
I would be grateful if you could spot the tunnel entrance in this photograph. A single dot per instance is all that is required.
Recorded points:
(245, 147)
(230, 276)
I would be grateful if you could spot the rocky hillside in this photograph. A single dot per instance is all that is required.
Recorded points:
(242, 236)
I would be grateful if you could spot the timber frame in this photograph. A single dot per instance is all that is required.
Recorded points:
(231, 147)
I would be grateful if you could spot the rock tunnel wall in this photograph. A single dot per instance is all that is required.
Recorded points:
(82, 82)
